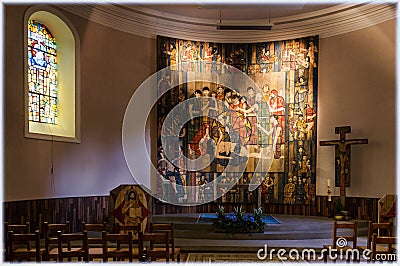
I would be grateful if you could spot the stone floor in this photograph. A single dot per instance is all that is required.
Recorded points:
(294, 232)
(199, 243)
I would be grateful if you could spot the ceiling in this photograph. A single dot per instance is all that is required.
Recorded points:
(200, 21)
(238, 11)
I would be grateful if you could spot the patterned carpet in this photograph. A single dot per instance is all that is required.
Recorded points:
(234, 257)
(222, 257)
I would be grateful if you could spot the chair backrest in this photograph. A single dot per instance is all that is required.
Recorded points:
(90, 228)
(162, 239)
(27, 251)
(117, 252)
(17, 229)
(385, 228)
(50, 232)
(64, 246)
(349, 235)
(390, 241)
(50, 228)
(165, 227)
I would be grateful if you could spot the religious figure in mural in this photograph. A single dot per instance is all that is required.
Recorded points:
(309, 188)
(132, 208)
(129, 205)
(243, 126)
(288, 192)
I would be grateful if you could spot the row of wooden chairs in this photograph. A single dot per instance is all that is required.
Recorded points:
(129, 243)
(379, 240)
(23, 247)
(161, 241)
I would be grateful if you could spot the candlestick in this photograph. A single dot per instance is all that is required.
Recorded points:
(329, 194)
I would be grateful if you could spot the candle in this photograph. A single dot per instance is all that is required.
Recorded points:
(329, 182)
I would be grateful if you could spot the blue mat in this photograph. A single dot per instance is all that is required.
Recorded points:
(211, 217)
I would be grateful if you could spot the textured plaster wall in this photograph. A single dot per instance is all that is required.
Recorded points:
(356, 88)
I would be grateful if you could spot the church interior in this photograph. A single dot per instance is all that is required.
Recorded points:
(199, 132)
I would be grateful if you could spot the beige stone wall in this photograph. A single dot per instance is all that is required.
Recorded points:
(357, 85)
(113, 65)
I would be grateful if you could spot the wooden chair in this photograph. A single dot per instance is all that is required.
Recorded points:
(340, 238)
(17, 229)
(158, 248)
(50, 232)
(117, 252)
(135, 230)
(65, 250)
(20, 246)
(385, 230)
(169, 228)
(95, 242)
(388, 243)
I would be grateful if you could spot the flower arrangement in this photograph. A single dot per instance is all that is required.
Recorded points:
(238, 221)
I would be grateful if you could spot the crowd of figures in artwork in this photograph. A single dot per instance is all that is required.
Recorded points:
(214, 140)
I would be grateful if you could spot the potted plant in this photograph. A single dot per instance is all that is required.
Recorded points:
(338, 210)
(238, 221)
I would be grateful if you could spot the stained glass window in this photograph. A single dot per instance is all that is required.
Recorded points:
(42, 74)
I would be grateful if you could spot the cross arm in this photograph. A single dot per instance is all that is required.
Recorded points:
(329, 142)
(356, 141)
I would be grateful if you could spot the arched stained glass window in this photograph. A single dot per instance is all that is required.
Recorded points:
(42, 74)
(52, 76)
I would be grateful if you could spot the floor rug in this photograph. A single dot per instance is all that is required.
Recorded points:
(241, 258)
(211, 217)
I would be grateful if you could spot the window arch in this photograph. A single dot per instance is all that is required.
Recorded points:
(51, 54)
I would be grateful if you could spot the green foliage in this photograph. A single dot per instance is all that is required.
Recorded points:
(238, 221)
(338, 206)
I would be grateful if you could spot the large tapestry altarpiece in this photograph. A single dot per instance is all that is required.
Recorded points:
(266, 132)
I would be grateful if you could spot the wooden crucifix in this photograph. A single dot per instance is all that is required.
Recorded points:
(342, 158)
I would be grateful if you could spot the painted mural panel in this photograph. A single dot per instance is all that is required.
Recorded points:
(129, 205)
(274, 122)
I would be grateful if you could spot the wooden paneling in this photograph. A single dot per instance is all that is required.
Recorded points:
(360, 208)
(76, 210)
(96, 210)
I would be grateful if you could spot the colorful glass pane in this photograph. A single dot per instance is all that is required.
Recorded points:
(34, 107)
(42, 74)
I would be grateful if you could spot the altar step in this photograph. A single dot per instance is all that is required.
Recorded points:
(249, 246)
(291, 228)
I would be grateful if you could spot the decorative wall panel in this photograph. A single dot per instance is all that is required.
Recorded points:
(129, 205)
(266, 132)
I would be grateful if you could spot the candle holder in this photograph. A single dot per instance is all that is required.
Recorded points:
(329, 193)
(329, 213)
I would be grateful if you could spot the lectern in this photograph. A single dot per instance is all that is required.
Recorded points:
(129, 205)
